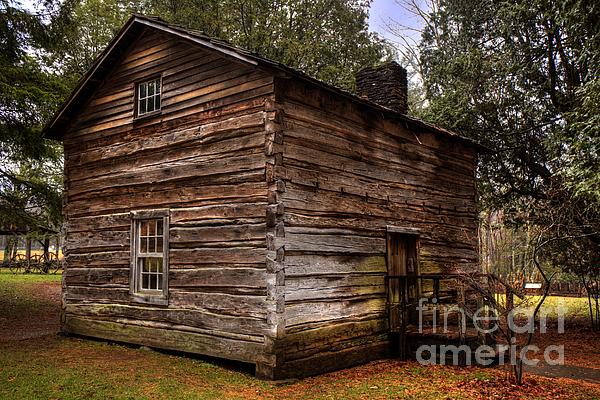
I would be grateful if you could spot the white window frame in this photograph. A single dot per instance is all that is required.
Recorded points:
(138, 294)
(157, 83)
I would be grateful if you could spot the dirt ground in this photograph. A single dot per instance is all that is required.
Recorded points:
(582, 345)
(30, 312)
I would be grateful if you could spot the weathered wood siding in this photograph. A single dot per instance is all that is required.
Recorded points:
(279, 194)
(203, 158)
(348, 173)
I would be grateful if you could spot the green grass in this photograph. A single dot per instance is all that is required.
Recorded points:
(68, 368)
(571, 306)
(9, 278)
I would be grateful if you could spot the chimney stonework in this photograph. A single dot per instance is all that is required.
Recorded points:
(386, 85)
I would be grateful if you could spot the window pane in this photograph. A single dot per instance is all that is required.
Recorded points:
(150, 88)
(157, 102)
(153, 283)
(152, 228)
(151, 245)
(142, 109)
(157, 85)
(159, 227)
(142, 92)
(144, 228)
(144, 265)
(159, 245)
(150, 104)
(151, 271)
(143, 245)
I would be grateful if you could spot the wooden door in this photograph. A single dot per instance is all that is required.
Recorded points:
(403, 286)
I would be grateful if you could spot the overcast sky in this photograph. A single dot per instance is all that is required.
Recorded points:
(384, 11)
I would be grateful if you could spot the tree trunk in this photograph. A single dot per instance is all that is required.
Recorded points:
(14, 248)
(6, 253)
(46, 246)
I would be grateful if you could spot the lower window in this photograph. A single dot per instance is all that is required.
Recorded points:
(150, 247)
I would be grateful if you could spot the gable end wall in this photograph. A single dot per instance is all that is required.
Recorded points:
(203, 158)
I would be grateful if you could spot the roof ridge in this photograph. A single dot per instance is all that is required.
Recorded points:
(230, 50)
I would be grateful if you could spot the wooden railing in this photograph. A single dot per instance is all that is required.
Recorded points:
(412, 298)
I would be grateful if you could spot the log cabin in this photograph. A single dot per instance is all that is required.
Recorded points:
(223, 204)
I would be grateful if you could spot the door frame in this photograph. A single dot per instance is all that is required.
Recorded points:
(398, 333)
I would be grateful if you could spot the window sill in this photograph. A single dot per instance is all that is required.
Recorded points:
(148, 115)
(149, 299)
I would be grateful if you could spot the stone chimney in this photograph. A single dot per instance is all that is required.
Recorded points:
(386, 85)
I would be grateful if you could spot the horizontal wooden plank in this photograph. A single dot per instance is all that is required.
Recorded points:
(334, 338)
(183, 195)
(178, 278)
(321, 335)
(227, 277)
(168, 337)
(394, 169)
(236, 301)
(254, 306)
(314, 265)
(382, 184)
(240, 83)
(225, 232)
(361, 144)
(300, 198)
(190, 215)
(169, 105)
(196, 136)
(152, 44)
(100, 293)
(104, 259)
(299, 289)
(334, 310)
(84, 242)
(112, 222)
(341, 114)
(220, 324)
(190, 77)
(327, 361)
(239, 105)
(334, 243)
(436, 230)
(207, 255)
(248, 160)
(102, 276)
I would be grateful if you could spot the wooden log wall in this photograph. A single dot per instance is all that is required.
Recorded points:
(203, 157)
(347, 173)
(279, 196)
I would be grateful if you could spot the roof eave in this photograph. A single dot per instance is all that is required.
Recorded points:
(388, 112)
(51, 130)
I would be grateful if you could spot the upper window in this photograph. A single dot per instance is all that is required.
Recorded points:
(150, 256)
(148, 97)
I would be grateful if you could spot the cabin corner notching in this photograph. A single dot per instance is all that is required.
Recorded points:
(215, 206)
